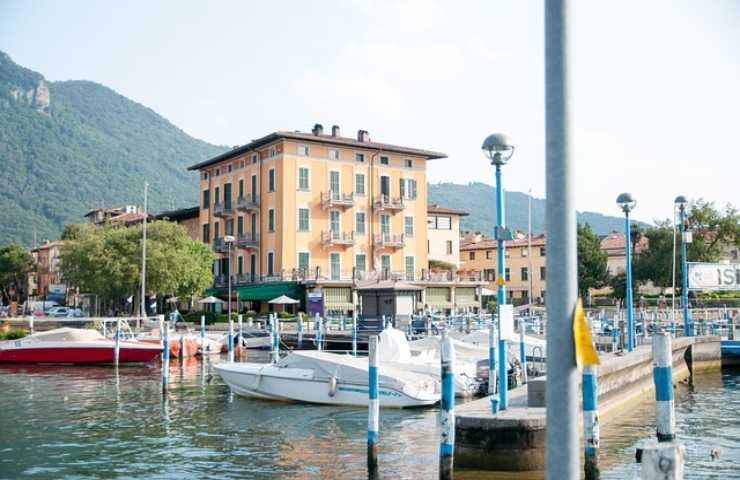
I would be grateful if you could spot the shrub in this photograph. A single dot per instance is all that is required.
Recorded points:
(13, 334)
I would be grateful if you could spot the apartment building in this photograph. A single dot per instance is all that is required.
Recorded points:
(479, 254)
(443, 234)
(614, 246)
(315, 212)
(46, 282)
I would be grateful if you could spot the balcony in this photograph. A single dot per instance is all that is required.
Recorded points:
(248, 240)
(329, 238)
(386, 203)
(222, 210)
(386, 240)
(333, 199)
(219, 246)
(248, 203)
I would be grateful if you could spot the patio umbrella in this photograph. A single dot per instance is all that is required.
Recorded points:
(211, 299)
(284, 300)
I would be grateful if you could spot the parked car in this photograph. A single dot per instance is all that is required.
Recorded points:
(64, 312)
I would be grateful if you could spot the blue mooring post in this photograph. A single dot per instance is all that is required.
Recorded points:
(117, 348)
(373, 411)
(503, 364)
(500, 290)
(299, 329)
(663, 377)
(447, 407)
(590, 389)
(492, 365)
(275, 336)
(354, 333)
(230, 346)
(202, 335)
(240, 334)
(522, 348)
(165, 354)
(319, 340)
(687, 330)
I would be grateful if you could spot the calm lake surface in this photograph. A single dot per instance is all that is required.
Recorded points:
(93, 422)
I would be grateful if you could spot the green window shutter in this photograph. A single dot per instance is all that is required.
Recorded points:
(303, 219)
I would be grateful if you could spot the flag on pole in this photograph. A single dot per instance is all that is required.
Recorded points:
(130, 299)
(586, 354)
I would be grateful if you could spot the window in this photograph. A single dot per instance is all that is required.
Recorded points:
(229, 227)
(408, 163)
(431, 223)
(218, 172)
(303, 178)
(271, 180)
(333, 154)
(525, 252)
(242, 163)
(507, 275)
(334, 185)
(489, 253)
(472, 256)
(542, 273)
(227, 196)
(273, 151)
(335, 267)
(254, 187)
(217, 196)
(303, 258)
(303, 150)
(206, 199)
(489, 274)
(206, 233)
(360, 157)
(360, 223)
(254, 226)
(408, 226)
(270, 263)
(542, 251)
(385, 263)
(334, 223)
(271, 220)
(361, 262)
(241, 188)
(240, 225)
(303, 220)
(384, 160)
(240, 265)
(252, 266)
(385, 185)
(409, 268)
(444, 223)
(254, 158)
(408, 188)
(449, 247)
(229, 168)
(360, 184)
(205, 175)
(216, 230)
(385, 226)
(525, 274)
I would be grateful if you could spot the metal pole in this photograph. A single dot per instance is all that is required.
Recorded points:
(231, 331)
(522, 348)
(628, 286)
(673, 278)
(231, 340)
(492, 365)
(529, 251)
(561, 451)
(687, 330)
(165, 353)
(447, 407)
(373, 406)
(354, 333)
(589, 385)
(240, 329)
(500, 290)
(275, 337)
(117, 350)
(143, 255)
(202, 335)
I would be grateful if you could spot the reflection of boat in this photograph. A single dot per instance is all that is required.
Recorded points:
(328, 378)
(74, 345)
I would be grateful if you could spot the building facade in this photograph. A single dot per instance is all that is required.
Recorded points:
(46, 283)
(187, 217)
(443, 234)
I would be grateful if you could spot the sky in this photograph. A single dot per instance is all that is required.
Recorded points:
(655, 85)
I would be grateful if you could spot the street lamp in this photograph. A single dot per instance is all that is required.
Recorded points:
(499, 150)
(627, 203)
(681, 203)
(228, 240)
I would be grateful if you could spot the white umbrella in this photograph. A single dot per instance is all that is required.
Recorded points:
(211, 299)
(284, 300)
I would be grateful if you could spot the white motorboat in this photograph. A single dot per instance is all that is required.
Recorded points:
(255, 339)
(212, 344)
(330, 379)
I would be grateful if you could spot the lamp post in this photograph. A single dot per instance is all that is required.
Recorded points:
(498, 150)
(228, 240)
(627, 203)
(681, 203)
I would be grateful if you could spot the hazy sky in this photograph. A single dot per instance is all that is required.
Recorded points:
(656, 84)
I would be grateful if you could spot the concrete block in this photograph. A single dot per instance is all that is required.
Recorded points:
(536, 392)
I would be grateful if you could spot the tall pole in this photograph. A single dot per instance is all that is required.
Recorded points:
(628, 289)
(228, 271)
(684, 276)
(143, 255)
(529, 250)
(501, 290)
(561, 450)
(673, 279)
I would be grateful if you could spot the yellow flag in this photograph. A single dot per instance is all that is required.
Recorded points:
(585, 352)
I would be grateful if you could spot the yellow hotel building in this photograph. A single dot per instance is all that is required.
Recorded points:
(315, 212)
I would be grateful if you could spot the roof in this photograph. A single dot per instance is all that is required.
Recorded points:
(614, 242)
(310, 137)
(178, 215)
(434, 208)
(537, 241)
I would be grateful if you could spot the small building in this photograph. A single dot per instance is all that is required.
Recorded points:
(389, 298)
(614, 246)
(187, 217)
(116, 216)
(443, 235)
(46, 283)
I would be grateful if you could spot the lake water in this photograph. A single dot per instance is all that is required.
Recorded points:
(93, 422)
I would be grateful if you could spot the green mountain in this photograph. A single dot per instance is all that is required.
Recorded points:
(479, 200)
(68, 147)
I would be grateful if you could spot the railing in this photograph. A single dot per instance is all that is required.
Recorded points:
(220, 246)
(386, 202)
(222, 210)
(331, 237)
(337, 199)
(250, 202)
(387, 240)
(248, 240)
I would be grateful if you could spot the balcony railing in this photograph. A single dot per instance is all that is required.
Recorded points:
(389, 204)
(223, 209)
(332, 237)
(220, 246)
(250, 202)
(333, 199)
(386, 240)
(248, 240)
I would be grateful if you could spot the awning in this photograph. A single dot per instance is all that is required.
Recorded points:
(338, 298)
(263, 291)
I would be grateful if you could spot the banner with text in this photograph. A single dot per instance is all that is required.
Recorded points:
(714, 276)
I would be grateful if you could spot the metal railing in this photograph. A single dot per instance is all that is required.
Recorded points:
(250, 202)
(332, 237)
(222, 209)
(387, 240)
(337, 199)
(388, 203)
(248, 240)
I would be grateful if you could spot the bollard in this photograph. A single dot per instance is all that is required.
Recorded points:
(663, 378)
(589, 386)
(428, 325)
(202, 335)
(447, 407)
(299, 330)
(318, 339)
(231, 340)
(522, 349)
(373, 406)
(117, 348)
(492, 366)
(354, 334)
(275, 337)
(165, 355)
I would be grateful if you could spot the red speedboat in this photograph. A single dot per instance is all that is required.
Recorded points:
(74, 345)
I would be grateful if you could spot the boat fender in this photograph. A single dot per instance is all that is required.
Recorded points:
(332, 386)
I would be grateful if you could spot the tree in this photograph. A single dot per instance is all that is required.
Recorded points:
(107, 261)
(15, 265)
(655, 262)
(592, 268)
(74, 231)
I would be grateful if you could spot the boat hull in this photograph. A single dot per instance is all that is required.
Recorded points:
(77, 354)
(730, 350)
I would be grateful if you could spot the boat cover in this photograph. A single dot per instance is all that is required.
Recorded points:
(67, 334)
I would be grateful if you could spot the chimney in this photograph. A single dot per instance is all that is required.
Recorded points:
(318, 129)
(362, 136)
(335, 131)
